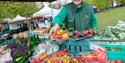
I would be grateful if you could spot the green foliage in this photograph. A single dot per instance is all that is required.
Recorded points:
(100, 4)
(89, 1)
(103, 4)
(11, 9)
(122, 2)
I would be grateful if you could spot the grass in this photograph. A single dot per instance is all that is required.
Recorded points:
(110, 17)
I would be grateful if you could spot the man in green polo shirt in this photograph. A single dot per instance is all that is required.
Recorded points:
(77, 15)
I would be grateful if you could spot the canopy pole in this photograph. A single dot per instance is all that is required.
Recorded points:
(51, 9)
(60, 3)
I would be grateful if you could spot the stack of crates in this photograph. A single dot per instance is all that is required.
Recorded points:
(114, 51)
(75, 47)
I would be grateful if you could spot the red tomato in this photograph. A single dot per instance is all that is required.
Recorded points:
(59, 55)
(119, 61)
(81, 62)
(42, 56)
(90, 62)
(112, 61)
(83, 59)
(95, 53)
(49, 56)
(55, 61)
(89, 57)
(75, 61)
(33, 61)
(101, 58)
(65, 50)
(96, 62)
(37, 60)
(55, 55)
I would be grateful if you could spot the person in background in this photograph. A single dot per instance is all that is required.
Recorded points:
(76, 15)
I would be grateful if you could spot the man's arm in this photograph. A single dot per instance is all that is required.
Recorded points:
(94, 22)
(60, 17)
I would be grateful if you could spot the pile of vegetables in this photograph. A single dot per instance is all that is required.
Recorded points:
(115, 33)
(87, 34)
(62, 56)
(17, 50)
(44, 48)
(60, 35)
(41, 32)
(5, 54)
(116, 61)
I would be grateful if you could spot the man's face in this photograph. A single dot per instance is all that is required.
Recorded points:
(77, 2)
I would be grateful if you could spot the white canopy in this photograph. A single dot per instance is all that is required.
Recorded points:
(62, 2)
(18, 18)
(46, 11)
(6, 20)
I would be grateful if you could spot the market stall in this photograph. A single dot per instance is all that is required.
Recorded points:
(72, 51)
(44, 17)
(16, 22)
(4, 24)
(63, 46)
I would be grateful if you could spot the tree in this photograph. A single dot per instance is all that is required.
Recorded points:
(122, 2)
(11, 9)
(100, 4)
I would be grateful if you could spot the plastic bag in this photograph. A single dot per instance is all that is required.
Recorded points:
(5, 54)
(120, 25)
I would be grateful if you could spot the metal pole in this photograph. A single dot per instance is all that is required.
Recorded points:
(51, 8)
(60, 3)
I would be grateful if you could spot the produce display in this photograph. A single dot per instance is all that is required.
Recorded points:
(47, 47)
(60, 35)
(63, 57)
(117, 61)
(5, 53)
(116, 32)
(44, 47)
(18, 50)
(42, 32)
(86, 34)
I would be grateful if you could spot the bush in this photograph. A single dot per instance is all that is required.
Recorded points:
(122, 2)
(100, 4)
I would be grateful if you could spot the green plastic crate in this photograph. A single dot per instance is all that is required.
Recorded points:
(118, 54)
(75, 46)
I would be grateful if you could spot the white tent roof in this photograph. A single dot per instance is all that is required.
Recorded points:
(46, 11)
(18, 18)
(62, 2)
(6, 20)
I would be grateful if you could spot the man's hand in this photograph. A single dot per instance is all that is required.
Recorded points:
(54, 29)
